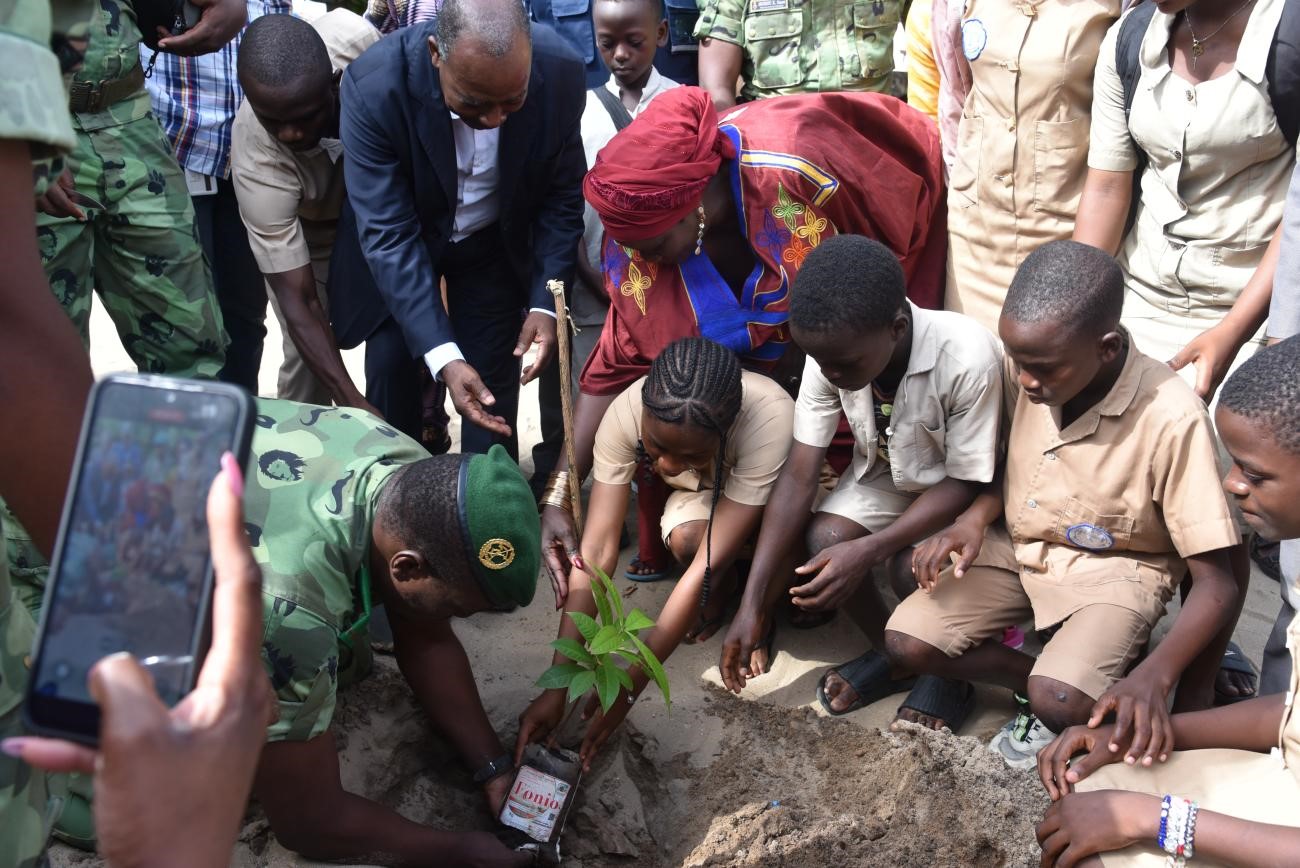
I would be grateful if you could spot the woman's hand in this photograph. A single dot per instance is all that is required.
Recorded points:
(1142, 722)
(602, 725)
(1212, 352)
(559, 550)
(1084, 824)
(541, 718)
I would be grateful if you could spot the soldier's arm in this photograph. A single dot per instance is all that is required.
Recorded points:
(309, 329)
(720, 63)
(299, 788)
(44, 371)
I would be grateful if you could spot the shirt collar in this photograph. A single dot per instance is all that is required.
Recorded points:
(925, 352)
(1121, 394)
(653, 85)
(1252, 52)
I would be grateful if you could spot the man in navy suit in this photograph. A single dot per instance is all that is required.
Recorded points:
(464, 162)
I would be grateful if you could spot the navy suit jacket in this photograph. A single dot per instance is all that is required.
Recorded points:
(400, 168)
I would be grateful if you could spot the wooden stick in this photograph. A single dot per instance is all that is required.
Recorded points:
(562, 325)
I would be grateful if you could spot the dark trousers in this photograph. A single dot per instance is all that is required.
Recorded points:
(485, 304)
(238, 283)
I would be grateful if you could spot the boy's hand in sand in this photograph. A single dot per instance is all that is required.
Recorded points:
(171, 785)
(1139, 702)
(743, 653)
(932, 557)
(1084, 824)
(602, 725)
(482, 850)
(1089, 750)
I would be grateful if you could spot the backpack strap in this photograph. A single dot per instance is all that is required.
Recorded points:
(1283, 72)
(1128, 45)
(618, 112)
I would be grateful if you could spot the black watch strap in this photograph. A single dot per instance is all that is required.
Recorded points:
(498, 766)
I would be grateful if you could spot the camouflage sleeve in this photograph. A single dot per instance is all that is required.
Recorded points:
(301, 654)
(33, 102)
(721, 19)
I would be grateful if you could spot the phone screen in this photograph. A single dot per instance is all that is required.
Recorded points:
(131, 568)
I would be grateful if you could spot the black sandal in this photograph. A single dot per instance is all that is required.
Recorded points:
(1234, 660)
(945, 699)
(869, 677)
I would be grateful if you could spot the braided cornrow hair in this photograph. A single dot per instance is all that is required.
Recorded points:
(696, 382)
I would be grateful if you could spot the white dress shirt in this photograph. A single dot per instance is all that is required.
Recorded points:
(478, 205)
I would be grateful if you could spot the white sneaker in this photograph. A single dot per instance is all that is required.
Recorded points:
(1019, 742)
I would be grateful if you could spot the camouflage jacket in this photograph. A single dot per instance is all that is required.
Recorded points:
(314, 481)
(806, 46)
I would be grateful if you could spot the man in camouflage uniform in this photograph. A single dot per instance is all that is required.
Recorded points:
(781, 47)
(142, 251)
(342, 509)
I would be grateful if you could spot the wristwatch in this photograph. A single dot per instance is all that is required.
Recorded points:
(498, 766)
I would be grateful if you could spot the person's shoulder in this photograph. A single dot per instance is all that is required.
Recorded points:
(1162, 399)
(346, 35)
(563, 71)
(761, 391)
(961, 340)
(385, 61)
(550, 45)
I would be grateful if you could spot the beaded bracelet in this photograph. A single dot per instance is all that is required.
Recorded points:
(1177, 830)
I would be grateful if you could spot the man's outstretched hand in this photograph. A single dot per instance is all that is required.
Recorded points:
(539, 328)
(219, 22)
(471, 398)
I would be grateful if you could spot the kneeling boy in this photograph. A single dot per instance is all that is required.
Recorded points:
(1110, 496)
(922, 392)
(342, 510)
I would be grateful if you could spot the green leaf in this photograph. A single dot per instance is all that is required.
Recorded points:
(621, 674)
(602, 599)
(560, 675)
(612, 590)
(609, 638)
(606, 685)
(651, 663)
(581, 684)
(572, 649)
(587, 625)
(636, 621)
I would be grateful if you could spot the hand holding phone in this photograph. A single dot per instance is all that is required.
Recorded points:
(191, 767)
(131, 570)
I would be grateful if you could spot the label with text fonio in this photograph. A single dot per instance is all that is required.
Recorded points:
(535, 802)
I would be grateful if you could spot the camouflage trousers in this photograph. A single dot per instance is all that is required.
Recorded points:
(141, 253)
(30, 800)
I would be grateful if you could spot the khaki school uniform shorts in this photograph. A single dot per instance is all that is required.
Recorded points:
(1090, 651)
(875, 504)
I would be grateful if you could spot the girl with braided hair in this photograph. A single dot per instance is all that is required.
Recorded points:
(718, 436)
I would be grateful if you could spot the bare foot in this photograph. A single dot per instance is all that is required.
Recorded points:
(839, 693)
(1229, 682)
(639, 567)
(911, 715)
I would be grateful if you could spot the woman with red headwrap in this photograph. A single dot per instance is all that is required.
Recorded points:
(707, 223)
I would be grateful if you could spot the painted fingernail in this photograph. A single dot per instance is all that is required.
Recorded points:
(13, 746)
(234, 474)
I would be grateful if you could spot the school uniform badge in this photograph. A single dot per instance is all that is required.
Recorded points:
(1089, 536)
(974, 38)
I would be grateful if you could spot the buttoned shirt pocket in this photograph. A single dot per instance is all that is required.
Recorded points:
(772, 41)
(573, 20)
(1083, 528)
(873, 36)
(1060, 155)
(963, 182)
(928, 444)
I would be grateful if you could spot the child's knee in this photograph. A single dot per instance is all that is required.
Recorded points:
(827, 529)
(1057, 704)
(685, 540)
(910, 653)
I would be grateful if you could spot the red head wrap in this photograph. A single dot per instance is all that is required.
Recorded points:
(653, 173)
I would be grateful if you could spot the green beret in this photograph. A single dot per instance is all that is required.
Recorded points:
(501, 528)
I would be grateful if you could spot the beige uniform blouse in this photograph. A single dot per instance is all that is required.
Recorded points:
(1216, 180)
(1022, 143)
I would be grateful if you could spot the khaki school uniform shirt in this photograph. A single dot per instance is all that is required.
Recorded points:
(291, 201)
(1216, 180)
(946, 412)
(755, 452)
(1106, 510)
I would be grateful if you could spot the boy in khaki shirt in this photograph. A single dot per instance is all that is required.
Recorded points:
(1110, 497)
(922, 393)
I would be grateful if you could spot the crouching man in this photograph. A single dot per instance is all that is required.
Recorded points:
(344, 512)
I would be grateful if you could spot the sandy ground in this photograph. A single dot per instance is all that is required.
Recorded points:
(762, 779)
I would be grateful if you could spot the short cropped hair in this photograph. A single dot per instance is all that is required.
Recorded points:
(281, 51)
(657, 6)
(1076, 285)
(421, 509)
(847, 282)
(1266, 391)
(494, 24)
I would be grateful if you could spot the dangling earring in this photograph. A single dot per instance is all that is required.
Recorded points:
(699, 238)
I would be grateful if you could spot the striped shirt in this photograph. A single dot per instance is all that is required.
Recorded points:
(195, 98)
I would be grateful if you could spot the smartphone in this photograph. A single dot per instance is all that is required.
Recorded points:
(132, 569)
